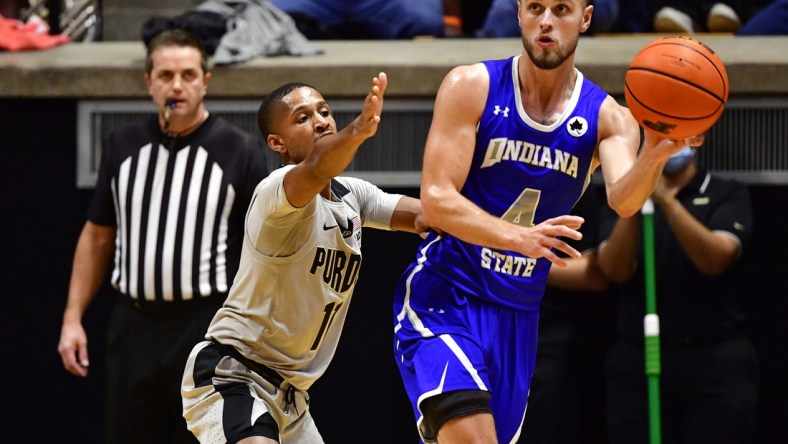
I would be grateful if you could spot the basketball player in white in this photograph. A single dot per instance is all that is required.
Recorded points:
(280, 326)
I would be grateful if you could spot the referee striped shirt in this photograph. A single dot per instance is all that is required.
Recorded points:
(178, 207)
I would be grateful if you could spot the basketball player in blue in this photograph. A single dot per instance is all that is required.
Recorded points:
(511, 149)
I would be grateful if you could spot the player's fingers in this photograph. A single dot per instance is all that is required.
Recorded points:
(566, 248)
(378, 87)
(383, 81)
(674, 144)
(663, 144)
(559, 262)
(370, 113)
(694, 141)
(554, 258)
(563, 231)
(573, 225)
(573, 222)
(374, 99)
(379, 100)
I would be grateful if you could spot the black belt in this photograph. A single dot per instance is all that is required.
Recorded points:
(267, 373)
(173, 307)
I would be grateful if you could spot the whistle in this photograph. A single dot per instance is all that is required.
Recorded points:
(168, 105)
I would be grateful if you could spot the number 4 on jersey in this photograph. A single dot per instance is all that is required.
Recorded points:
(522, 211)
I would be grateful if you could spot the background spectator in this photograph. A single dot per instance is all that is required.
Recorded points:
(771, 19)
(501, 18)
(709, 379)
(365, 19)
(688, 16)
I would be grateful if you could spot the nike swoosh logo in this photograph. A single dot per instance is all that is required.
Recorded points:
(326, 227)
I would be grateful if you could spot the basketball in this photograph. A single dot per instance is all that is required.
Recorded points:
(676, 87)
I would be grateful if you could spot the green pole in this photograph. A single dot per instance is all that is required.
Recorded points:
(651, 325)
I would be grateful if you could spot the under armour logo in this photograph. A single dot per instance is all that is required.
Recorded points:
(498, 110)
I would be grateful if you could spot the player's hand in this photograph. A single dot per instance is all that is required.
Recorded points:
(367, 123)
(540, 240)
(667, 147)
(422, 229)
(73, 348)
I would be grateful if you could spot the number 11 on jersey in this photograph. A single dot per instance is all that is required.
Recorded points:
(331, 309)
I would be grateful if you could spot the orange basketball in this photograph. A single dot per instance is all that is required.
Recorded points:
(676, 87)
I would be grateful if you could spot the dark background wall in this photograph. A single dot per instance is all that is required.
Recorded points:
(360, 397)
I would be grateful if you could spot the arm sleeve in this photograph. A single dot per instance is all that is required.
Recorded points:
(376, 206)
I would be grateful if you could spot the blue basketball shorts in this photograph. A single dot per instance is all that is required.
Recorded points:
(445, 340)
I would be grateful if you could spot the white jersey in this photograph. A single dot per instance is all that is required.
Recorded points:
(288, 303)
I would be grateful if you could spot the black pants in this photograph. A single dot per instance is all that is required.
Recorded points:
(566, 402)
(708, 393)
(146, 355)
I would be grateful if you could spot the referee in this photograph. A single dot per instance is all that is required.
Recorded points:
(168, 210)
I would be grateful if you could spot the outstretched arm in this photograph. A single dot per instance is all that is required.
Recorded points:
(334, 152)
(630, 177)
(407, 216)
(447, 160)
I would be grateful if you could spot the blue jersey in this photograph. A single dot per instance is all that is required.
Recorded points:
(523, 172)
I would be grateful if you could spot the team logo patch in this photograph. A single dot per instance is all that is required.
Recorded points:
(577, 126)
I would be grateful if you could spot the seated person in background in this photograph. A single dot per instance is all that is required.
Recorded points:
(634, 16)
(501, 19)
(770, 19)
(709, 367)
(365, 19)
(688, 16)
